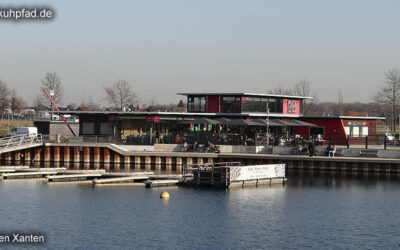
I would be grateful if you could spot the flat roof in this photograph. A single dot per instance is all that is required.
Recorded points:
(246, 94)
(172, 113)
(346, 117)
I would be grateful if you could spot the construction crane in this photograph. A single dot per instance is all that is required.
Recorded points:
(55, 105)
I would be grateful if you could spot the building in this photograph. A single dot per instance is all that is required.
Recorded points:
(244, 115)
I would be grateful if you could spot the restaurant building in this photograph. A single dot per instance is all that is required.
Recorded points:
(243, 114)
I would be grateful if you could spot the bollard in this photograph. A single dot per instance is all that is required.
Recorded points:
(348, 141)
(384, 142)
(366, 142)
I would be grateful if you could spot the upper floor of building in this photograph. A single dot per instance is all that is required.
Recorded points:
(244, 103)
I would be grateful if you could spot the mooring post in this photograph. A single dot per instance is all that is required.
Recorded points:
(348, 141)
(384, 142)
(366, 142)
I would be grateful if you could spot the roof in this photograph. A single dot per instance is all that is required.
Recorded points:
(246, 94)
(174, 113)
(345, 117)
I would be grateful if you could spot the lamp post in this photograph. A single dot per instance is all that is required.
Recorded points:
(267, 124)
(51, 104)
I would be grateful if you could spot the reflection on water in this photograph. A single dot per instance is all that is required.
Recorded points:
(314, 210)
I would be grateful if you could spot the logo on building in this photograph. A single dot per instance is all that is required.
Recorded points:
(291, 106)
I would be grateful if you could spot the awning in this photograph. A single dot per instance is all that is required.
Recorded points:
(302, 124)
(203, 120)
(272, 122)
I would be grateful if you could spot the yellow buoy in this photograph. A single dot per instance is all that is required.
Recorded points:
(164, 195)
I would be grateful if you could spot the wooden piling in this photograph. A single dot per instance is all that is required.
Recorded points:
(56, 153)
(46, 154)
(66, 154)
(77, 156)
(86, 155)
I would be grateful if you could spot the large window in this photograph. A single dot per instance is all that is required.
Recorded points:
(196, 104)
(260, 104)
(231, 104)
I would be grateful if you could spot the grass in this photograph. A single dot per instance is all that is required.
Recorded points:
(6, 125)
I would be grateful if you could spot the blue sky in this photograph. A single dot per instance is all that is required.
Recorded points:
(165, 47)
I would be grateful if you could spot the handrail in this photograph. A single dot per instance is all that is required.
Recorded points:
(19, 140)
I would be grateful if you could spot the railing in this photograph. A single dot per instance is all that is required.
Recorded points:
(82, 139)
(19, 140)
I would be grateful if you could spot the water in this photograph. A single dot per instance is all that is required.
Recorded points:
(311, 211)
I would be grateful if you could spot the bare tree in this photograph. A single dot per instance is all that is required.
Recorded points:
(303, 88)
(52, 83)
(38, 104)
(4, 95)
(120, 95)
(281, 91)
(17, 103)
(389, 93)
(340, 102)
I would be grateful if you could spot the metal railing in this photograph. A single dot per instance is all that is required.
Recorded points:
(10, 142)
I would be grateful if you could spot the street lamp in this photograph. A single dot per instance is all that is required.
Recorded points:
(51, 104)
(267, 124)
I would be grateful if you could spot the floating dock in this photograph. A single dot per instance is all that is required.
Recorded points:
(226, 174)
(72, 177)
(27, 175)
(162, 183)
(120, 180)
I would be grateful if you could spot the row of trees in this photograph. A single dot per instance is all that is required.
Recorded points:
(9, 99)
(120, 96)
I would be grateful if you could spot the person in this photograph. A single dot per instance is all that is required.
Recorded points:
(157, 136)
(177, 139)
(311, 149)
(195, 146)
(184, 146)
(22, 159)
(331, 150)
(209, 146)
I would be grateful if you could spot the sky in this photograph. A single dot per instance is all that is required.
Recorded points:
(170, 46)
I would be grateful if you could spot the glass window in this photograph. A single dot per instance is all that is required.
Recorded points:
(248, 104)
(105, 128)
(196, 104)
(87, 128)
(230, 104)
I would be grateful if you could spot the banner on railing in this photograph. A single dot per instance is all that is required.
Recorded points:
(255, 172)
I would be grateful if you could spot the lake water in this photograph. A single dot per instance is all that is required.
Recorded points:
(313, 210)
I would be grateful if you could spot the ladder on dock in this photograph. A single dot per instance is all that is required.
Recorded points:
(18, 142)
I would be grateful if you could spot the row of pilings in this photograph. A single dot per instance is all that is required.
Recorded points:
(93, 157)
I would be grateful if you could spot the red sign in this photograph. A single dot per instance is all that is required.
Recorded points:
(243, 99)
(153, 119)
(248, 118)
(111, 118)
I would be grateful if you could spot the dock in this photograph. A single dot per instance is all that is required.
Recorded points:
(162, 183)
(27, 175)
(226, 174)
(120, 180)
(72, 177)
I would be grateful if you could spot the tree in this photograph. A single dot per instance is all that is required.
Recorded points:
(120, 95)
(4, 95)
(303, 88)
(281, 91)
(340, 102)
(52, 83)
(389, 93)
(17, 103)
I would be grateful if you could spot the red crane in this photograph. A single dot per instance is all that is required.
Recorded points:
(55, 105)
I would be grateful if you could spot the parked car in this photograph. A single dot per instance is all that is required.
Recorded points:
(23, 131)
(390, 137)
